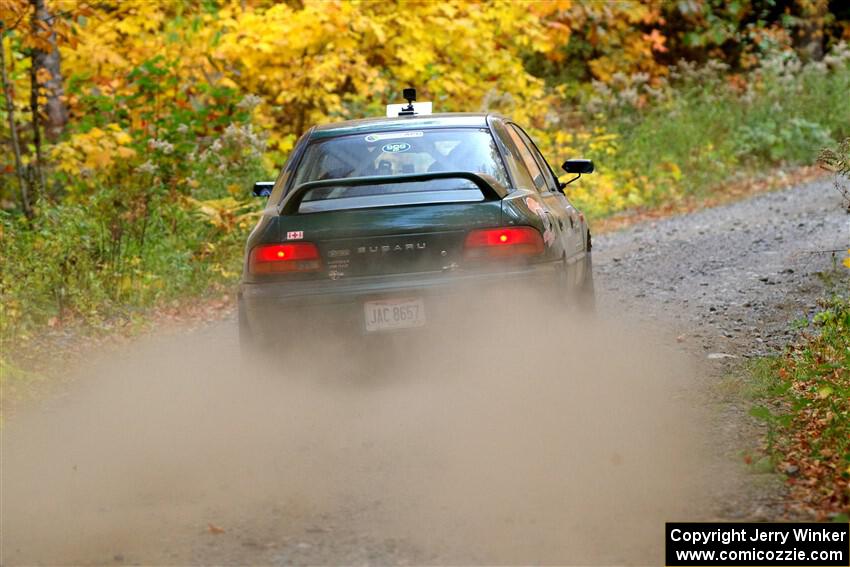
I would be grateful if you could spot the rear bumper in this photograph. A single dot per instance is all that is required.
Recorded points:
(337, 307)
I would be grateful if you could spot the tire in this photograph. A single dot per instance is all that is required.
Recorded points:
(247, 345)
(578, 296)
(586, 294)
(252, 348)
(262, 349)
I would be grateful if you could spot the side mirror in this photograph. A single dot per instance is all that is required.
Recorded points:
(263, 188)
(578, 166)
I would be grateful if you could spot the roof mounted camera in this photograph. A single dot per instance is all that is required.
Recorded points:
(409, 94)
(411, 109)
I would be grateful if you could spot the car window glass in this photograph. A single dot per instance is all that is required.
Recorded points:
(548, 177)
(528, 159)
(404, 153)
(282, 181)
(513, 160)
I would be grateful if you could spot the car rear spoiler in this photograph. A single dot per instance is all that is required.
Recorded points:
(489, 186)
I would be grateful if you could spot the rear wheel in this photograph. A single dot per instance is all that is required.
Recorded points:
(586, 294)
(576, 285)
(248, 347)
(256, 347)
(272, 354)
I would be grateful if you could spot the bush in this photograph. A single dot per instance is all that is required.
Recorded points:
(687, 134)
(145, 205)
(809, 387)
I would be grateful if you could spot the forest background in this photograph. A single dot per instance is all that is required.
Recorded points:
(132, 130)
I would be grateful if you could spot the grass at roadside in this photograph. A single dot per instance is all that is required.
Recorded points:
(16, 383)
(704, 128)
(711, 130)
(804, 398)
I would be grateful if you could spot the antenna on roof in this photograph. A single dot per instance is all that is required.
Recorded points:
(408, 94)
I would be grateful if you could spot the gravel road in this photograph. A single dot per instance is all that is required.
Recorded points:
(562, 444)
(730, 278)
(729, 281)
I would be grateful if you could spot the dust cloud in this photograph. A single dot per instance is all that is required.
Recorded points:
(519, 435)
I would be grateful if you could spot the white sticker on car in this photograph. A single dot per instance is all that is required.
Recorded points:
(537, 208)
(396, 148)
(392, 136)
(295, 235)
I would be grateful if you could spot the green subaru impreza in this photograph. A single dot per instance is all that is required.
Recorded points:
(372, 225)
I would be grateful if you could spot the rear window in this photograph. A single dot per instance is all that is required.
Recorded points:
(400, 153)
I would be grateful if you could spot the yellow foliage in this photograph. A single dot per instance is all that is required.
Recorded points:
(330, 59)
(125, 153)
(224, 214)
(319, 61)
(95, 150)
(614, 30)
(43, 75)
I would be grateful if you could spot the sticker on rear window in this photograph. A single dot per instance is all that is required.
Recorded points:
(392, 136)
(395, 148)
(295, 235)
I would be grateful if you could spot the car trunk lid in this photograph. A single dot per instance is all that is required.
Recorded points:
(391, 240)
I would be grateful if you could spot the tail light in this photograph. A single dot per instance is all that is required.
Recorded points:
(284, 258)
(507, 242)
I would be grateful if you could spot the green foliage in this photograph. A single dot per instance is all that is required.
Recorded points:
(837, 160)
(77, 263)
(691, 133)
(807, 396)
(147, 205)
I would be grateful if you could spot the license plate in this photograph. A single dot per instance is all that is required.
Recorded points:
(390, 314)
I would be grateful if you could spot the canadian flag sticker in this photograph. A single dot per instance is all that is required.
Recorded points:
(295, 235)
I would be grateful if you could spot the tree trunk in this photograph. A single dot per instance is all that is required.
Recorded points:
(56, 111)
(38, 164)
(810, 37)
(13, 131)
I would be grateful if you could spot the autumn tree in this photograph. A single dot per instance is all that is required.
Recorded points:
(12, 14)
(46, 71)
